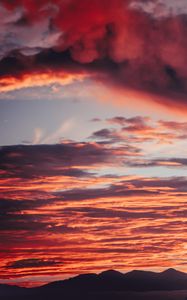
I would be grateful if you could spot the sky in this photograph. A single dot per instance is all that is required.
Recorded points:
(93, 137)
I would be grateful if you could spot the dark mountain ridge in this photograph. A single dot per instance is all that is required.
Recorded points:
(107, 281)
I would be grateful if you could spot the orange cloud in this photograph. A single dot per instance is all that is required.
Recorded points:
(54, 226)
(11, 83)
(65, 208)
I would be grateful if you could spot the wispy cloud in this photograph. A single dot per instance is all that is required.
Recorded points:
(38, 133)
(59, 133)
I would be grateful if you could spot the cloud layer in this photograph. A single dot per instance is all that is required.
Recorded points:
(118, 43)
(64, 207)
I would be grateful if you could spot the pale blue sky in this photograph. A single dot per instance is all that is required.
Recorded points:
(48, 108)
(51, 113)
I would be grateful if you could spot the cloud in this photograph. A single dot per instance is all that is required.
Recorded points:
(11, 83)
(164, 162)
(30, 161)
(56, 219)
(142, 129)
(115, 44)
(86, 228)
(72, 206)
(38, 133)
(175, 184)
(32, 263)
(58, 134)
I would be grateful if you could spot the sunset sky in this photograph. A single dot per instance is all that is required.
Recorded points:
(93, 137)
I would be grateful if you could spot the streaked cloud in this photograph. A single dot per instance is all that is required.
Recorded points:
(65, 208)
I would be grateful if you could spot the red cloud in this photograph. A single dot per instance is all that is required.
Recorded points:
(129, 47)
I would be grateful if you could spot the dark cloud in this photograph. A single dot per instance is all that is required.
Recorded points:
(113, 43)
(170, 163)
(59, 159)
(119, 190)
(176, 184)
(22, 223)
(102, 213)
(134, 121)
(141, 129)
(106, 133)
(9, 206)
(32, 263)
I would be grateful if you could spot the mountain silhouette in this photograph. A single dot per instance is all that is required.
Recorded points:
(110, 282)
(135, 281)
(172, 273)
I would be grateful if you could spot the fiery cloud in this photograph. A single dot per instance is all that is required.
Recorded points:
(117, 43)
(10, 83)
(64, 208)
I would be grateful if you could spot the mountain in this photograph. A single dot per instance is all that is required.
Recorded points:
(136, 280)
(172, 273)
(111, 274)
(88, 286)
(11, 290)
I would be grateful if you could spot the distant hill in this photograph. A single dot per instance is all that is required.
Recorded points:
(133, 281)
(102, 286)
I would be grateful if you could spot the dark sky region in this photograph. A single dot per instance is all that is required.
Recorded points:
(93, 137)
